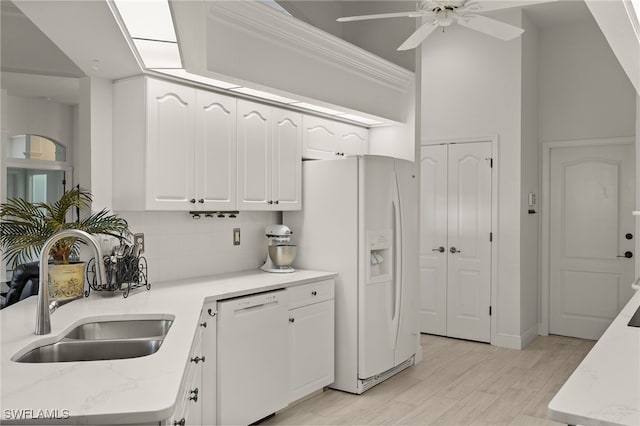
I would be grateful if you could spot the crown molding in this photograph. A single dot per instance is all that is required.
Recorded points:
(254, 17)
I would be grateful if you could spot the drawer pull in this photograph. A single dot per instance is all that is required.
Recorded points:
(203, 324)
(314, 293)
(180, 422)
(292, 320)
(197, 359)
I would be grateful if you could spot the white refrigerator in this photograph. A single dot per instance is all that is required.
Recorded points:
(360, 218)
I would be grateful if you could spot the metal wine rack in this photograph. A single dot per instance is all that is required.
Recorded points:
(123, 274)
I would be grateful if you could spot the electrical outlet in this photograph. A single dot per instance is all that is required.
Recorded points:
(236, 236)
(138, 239)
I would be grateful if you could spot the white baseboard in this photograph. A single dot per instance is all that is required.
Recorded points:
(528, 336)
(513, 341)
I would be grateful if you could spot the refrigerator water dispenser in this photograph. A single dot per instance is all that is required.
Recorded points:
(380, 259)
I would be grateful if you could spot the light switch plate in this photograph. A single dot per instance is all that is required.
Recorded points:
(236, 236)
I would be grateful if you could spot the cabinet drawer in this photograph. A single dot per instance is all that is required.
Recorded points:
(308, 294)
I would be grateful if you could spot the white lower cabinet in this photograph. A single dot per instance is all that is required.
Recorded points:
(311, 338)
(249, 361)
(196, 403)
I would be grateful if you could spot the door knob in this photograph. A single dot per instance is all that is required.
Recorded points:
(454, 250)
(627, 254)
(439, 249)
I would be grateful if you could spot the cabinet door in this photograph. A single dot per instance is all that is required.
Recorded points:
(170, 146)
(254, 156)
(319, 138)
(352, 140)
(311, 346)
(209, 376)
(215, 151)
(287, 159)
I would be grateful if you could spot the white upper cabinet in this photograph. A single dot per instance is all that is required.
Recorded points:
(287, 159)
(170, 145)
(216, 151)
(269, 157)
(174, 147)
(325, 139)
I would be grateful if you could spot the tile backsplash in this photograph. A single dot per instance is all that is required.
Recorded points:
(178, 246)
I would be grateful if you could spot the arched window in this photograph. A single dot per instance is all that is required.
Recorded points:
(37, 168)
(35, 147)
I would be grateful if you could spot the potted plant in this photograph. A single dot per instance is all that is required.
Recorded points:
(26, 226)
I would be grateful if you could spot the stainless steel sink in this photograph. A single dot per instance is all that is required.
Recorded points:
(91, 350)
(103, 340)
(127, 329)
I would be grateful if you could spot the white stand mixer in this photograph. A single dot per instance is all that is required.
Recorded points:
(280, 251)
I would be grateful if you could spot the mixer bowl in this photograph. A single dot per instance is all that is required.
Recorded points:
(282, 256)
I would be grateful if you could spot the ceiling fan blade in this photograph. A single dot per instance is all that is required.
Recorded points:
(412, 14)
(490, 26)
(479, 6)
(418, 36)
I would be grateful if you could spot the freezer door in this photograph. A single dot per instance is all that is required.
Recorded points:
(379, 256)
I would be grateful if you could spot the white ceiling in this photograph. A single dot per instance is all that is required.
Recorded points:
(30, 58)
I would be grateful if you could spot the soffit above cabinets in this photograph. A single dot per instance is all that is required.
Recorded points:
(250, 42)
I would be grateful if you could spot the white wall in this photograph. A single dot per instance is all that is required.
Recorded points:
(471, 87)
(321, 14)
(39, 117)
(529, 223)
(178, 246)
(381, 36)
(584, 92)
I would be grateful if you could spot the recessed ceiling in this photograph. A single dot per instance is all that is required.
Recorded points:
(63, 90)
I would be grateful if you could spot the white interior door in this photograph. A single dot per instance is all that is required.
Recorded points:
(469, 228)
(433, 239)
(591, 197)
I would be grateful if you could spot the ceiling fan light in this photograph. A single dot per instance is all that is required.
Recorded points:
(445, 22)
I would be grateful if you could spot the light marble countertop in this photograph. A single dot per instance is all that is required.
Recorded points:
(139, 389)
(605, 388)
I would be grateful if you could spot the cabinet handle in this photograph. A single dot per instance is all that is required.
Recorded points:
(180, 422)
(201, 200)
(197, 359)
(292, 320)
(203, 324)
(192, 201)
(314, 293)
(212, 312)
(194, 395)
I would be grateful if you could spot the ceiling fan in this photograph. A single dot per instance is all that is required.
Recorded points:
(443, 13)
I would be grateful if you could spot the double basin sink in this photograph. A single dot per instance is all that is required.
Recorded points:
(103, 340)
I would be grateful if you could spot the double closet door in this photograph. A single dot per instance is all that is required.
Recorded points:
(455, 240)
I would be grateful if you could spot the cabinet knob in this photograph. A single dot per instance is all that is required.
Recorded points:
(194, 395)
(292, 320)
(203, 324)
(180, 422)
(197, 359)
(201, 200)
(276, 202)
(314, 293)
(192, 201)
(270, 202)
(211, 312)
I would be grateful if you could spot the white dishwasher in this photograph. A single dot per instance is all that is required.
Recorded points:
(252, 363)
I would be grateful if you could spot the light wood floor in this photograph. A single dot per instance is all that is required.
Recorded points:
(457, 383)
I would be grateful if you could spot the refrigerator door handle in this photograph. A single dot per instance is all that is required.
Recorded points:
(397, 278)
